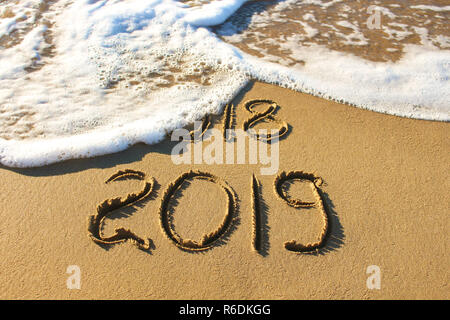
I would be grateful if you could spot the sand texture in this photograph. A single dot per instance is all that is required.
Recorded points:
(370, 189)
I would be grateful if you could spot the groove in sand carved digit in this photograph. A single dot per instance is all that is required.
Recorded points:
(104, 209)
(208, 240)
(315, 183)
(198, 133)
(268, 114)
(228, 120)
(256, 206)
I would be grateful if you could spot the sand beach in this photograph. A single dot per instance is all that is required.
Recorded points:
(384, 186)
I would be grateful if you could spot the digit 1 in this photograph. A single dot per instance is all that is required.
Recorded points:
(256, 207)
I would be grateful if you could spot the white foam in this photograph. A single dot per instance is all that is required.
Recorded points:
(354, 38)
(95, 95)
(432, 8)
(18, 16)
(383, 87)
(7, 25)
(213, 13)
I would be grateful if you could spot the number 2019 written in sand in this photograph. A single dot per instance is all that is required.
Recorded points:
(208, 241)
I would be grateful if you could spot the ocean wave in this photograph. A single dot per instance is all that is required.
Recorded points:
(91, 77)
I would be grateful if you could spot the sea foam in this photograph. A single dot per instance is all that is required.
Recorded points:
(94, 77)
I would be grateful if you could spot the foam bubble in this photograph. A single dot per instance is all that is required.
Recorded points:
(84, 78)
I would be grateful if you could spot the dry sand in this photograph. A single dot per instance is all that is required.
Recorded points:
(386, 186)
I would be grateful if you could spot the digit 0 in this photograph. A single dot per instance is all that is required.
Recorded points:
(208, 240)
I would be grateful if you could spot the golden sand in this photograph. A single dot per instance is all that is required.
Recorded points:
(369, 189)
